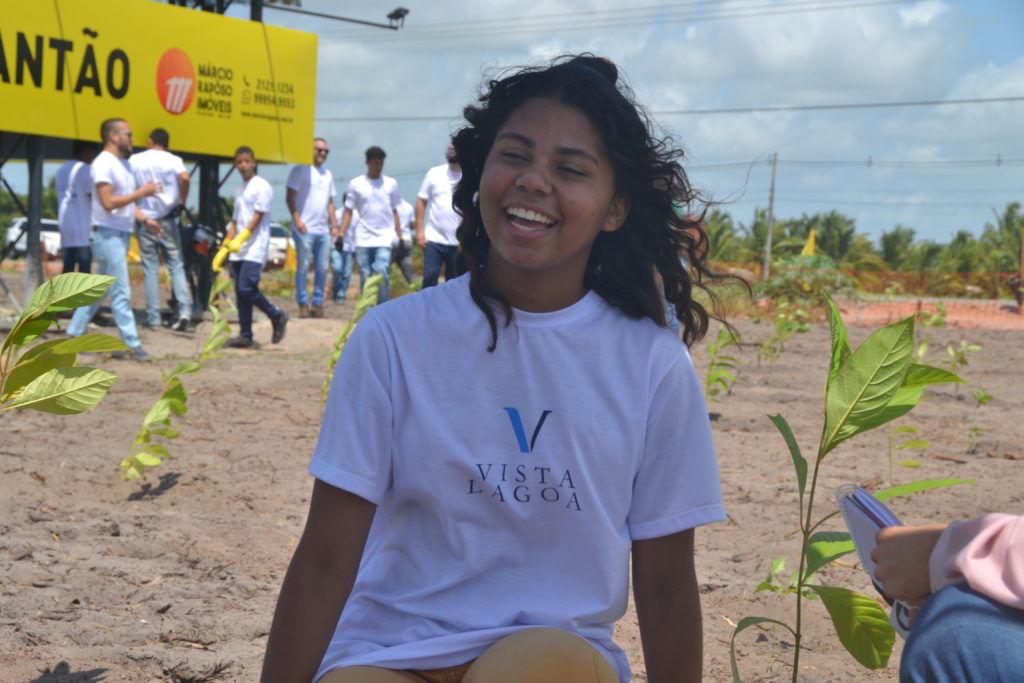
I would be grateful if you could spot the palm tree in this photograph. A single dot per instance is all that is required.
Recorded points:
(896, 246)
(724, 244)
(964, 254)
(1002, 240)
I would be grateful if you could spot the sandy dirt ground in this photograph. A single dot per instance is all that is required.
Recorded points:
(175, 577)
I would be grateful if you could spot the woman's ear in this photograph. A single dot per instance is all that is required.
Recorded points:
(617, 213)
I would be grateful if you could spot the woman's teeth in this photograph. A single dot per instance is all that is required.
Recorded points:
(532, 216)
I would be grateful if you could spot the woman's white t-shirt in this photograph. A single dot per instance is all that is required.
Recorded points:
(511, 484)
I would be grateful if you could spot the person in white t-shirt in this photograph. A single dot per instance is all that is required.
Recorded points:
(114, 213)
(159, 165)
(375, 197)
(401, 250)
(437, 238)
(342, 257)
(252, 214)
(496, 452)
(310, 199)
(74, 207)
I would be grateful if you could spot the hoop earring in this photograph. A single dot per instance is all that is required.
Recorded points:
(476, 199)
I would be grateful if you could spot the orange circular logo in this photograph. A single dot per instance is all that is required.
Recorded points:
(175, 81)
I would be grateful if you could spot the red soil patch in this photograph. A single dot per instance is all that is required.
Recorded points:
(960, 313)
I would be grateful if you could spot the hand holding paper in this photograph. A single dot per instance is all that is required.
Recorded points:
(901, 561)
(865, 516)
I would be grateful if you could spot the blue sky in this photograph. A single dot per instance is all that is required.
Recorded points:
(713, 54)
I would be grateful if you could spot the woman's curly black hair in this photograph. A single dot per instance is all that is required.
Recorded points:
(623, 263)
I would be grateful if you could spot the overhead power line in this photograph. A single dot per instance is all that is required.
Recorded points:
(658, 14)
(728, 110)
(997, 161)
(849, 105)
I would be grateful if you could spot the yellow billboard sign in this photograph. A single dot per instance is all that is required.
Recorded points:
(213, 82)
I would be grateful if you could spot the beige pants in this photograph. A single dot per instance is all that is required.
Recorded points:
(536, 655)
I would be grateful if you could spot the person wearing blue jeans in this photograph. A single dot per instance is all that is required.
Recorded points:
(310, 199)
(434, 256)
(315, 248)
(341, 273)
(114, 213)
(250, 225)
(436, 235)
(373, 261)
(77, 256)
(960, 635)
(150, 246)
(110, 247)
(374, 198)
(246, 275)
(157, 164)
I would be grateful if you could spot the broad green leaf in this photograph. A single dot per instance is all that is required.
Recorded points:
(68, 291)
(866, 382)
(908, 463)
(148, 459)
(799, 462)
(177, 407)
(24, 372)
(915, 486)
(924, 375)
(777, 565)
(64, 391)
(840, 342)
(158, 413)
(94, 343)
(825, 547)
(166, 432)
(745, 623)
(186, 368)
(26, 330)
(901, 403)
(861, 624)
(914, 443)
(176, 391)
(157, 449)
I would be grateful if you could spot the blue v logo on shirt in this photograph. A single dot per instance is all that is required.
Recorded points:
(517, 427)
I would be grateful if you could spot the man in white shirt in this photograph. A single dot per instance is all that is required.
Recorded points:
(160, 166)
(74, 212)
(114, 213)
(401, 250)
(375, 197)
(251, 218)
(310, 199)
(437, 238)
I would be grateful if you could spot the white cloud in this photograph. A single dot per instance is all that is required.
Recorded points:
(923, 13)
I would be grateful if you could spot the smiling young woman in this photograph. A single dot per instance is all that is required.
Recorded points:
(477, 507)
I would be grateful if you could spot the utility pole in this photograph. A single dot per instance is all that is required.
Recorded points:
(1019, 294)
(771, 219)
(33, 256)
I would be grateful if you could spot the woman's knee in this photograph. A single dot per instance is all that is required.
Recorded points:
(541, 655)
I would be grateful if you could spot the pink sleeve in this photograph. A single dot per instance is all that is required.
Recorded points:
(985, 553)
